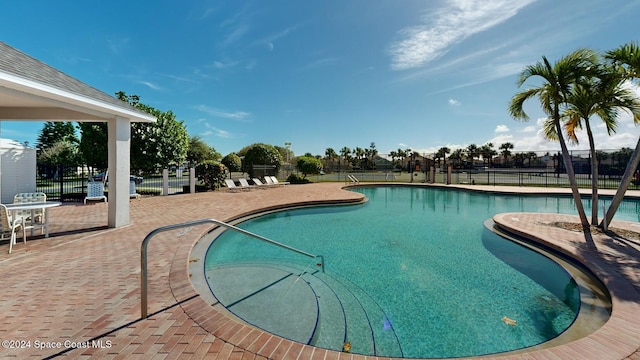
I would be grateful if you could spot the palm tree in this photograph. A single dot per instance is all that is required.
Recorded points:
(442, 154)
(393, 154)
(627, 59)
(358, 154)
(603, 96)
(488, 153)
(456, 156)
(558, 80)
(473, 151)
(345, 152)
(506, 151)
(531, 155)
(330, 155)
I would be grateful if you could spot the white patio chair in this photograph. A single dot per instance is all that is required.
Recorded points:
(32, 218)
(95, 191)
(10, 225)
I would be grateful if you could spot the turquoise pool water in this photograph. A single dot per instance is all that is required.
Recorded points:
(442, 284)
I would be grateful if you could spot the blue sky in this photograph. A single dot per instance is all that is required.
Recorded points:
(323, 73)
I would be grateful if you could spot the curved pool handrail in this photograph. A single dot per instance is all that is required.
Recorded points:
(145, 242)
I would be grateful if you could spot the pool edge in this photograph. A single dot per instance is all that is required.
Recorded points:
(607, 343)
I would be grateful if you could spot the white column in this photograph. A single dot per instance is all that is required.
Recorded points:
(165, 182)
(119, 163)
(192, 180)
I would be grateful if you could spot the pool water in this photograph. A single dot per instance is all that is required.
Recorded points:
(441, 283)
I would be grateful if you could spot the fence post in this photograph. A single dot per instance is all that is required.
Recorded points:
(61, 180)
(192, 180)
(165, 182)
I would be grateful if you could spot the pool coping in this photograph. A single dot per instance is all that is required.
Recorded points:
(614, 340)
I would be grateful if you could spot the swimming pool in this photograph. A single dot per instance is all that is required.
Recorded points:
(411, 273)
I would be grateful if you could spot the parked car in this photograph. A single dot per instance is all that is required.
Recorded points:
(137, 179)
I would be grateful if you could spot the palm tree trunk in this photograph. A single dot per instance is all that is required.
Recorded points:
(624, 184)
(594, 175)
(568, 165)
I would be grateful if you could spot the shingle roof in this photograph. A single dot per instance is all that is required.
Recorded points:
(19, 64)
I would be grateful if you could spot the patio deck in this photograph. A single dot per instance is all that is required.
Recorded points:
(83, 283)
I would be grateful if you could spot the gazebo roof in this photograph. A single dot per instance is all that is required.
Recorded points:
(33, 90)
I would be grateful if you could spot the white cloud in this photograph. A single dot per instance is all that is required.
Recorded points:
(214, 131)
(446, 27)
(319, 63)
(501, 129)
(150, 85)
(238, 115)
(220, 133)
(529, 129)
(271, 39)
(224, 65)
(454, 102)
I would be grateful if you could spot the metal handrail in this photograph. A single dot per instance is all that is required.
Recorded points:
(145, 242)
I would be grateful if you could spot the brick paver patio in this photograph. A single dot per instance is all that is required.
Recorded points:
(83, 284)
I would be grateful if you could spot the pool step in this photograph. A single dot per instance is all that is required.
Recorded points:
(369, 330)
(314, 308)
(267, 298)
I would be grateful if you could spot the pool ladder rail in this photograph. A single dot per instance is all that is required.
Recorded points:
(145, 242)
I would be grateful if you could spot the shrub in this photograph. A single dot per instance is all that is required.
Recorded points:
(308, 165)
(295, 179)
(211, 173)
(232, 162)
(261, 154)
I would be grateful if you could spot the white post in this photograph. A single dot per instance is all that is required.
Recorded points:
(165, 182)
(192, 180)
(119, 152)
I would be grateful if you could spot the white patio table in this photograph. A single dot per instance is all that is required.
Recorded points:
(35, 206)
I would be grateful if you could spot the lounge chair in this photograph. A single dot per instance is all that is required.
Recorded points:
(275, 181)
(245, 184)
(95, 191)
(231, 185)
(269, 181)
(9, 225)
(260, 184)
(353, 179)
(32, 218)
(132, 190)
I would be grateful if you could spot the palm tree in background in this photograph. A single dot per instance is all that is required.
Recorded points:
(442, 154)
(393, 155)
(626, 59)
(345, 153)
(506, 151)
(488, 152)
(358, 154)
(472, 151)
(558, 79)
(330, 155)
(456, 157)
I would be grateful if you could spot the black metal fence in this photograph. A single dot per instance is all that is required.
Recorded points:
(525, 168)
(69, 184)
